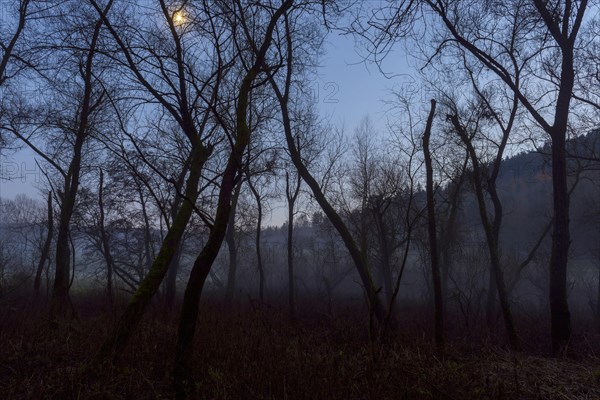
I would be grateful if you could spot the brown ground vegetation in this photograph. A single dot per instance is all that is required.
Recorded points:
(254, 351)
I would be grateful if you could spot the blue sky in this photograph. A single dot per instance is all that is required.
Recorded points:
(360, 86)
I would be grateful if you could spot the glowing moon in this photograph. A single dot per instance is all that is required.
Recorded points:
(179, 18)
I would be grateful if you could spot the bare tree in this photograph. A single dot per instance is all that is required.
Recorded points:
(88, 100)
(183, 372)
(431, 225)
(292, 190)
(231, 244)
(188, 96)
(45, 254)
(283, 90)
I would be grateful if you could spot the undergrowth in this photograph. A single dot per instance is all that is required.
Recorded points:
(250, 350)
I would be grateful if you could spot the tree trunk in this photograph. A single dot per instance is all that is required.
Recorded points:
(171, 290)
(291, 195)
(231, 246)
(148, 254)
(61, 303)
(491, 232)
(105, 242)
(559, 307)
(386, 263)
(561, 240)
(290, 260)
(259, 262)
(45, 256)
(432, 231)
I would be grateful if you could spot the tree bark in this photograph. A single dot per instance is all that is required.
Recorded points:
(259, 262)
(45, 256)
(292, 196)
(432, 231)
(171, 289)
(385, 255)
(231, 246)
(105, 242)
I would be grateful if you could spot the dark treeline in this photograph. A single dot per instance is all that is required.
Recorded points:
(167, 133)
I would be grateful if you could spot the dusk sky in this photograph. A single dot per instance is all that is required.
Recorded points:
(348, 89)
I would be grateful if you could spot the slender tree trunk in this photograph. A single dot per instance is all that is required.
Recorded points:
(290, 260)
(147, 237)
(559, 307)
(171, 289)
(432, 231)
(105, 242)
(45, 256)
(386, 263)
(61, 303)
(259, 262)
(231, 246)
(375, 306)
(491, 232)
(292, 196)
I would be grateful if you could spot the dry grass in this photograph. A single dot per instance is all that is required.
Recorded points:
(250, 352)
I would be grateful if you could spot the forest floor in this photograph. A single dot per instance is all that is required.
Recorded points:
(254, 351)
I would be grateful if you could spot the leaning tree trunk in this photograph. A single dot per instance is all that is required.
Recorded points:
(432, 231)
(171, 289)
(60, 304)
(182, 370)
(118, 339)
(376, 308)
(45, 256)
